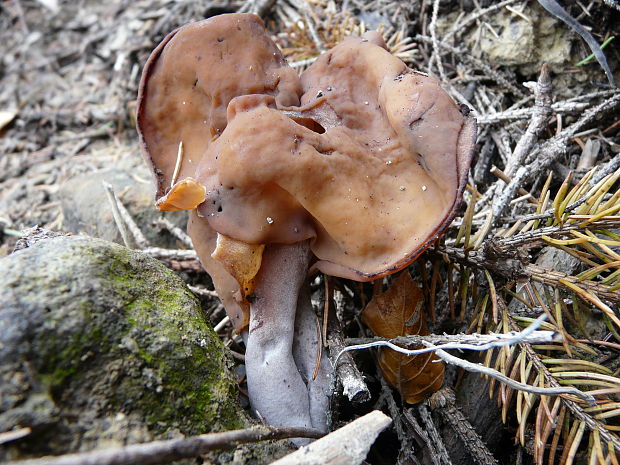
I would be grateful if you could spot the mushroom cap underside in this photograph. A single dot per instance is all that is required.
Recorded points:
(369, 161)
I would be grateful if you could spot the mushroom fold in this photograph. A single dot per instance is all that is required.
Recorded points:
(361, 159)
(372, 181)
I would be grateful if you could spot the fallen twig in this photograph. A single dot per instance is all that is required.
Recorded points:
(202, 291)
(171, 254)
(176, 232)
(475, 62)
(442, 402)
(456, 341)
(491, 373)
(515, 338)
(353, 385)
(539, 160)
(358, 436)
(477, 342)
(539, 120)
(117, 214)
(423, 436)
(135, 231)
(161, 452)
(434, 435)
(14, 435)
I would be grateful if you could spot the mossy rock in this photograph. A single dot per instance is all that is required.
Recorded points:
(103, 346)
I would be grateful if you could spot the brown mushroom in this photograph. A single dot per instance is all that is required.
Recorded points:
(357, 166)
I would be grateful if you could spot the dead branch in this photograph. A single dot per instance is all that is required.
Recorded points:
(442, 402)
(112, 200)
(539, 160)
(161, 452)
(358, 435)
(433, 434)
(353, 385)
(456, 341)
(170, 254)
(539, 120)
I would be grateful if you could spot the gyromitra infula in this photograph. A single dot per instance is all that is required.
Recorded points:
(352, 169)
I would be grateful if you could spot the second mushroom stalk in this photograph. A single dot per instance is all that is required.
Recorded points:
(352, 169)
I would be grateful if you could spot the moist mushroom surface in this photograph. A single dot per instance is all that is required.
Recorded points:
(358, 165)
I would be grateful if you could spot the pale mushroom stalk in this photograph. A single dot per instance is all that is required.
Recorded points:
(312, 362)
(282, 343)
(287, 385)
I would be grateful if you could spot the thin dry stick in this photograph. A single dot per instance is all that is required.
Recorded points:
(161, 452)
(540, 160)
(433, 434)
(608, 168)
(435, 55)
(258, 7)
(135, 231)
(170, 254)
(406, 443)
(420, 431)
(177, 166)
(481, 342)
(476, 63)
(13, 435)
(540, 119)
(575, 408)
(458, 341)
(203, 291)
(495, 171)
(358, 436)
(474, 16)
(353, 385)
(573, 105)
(443, 402)
(176, 232)
(538, 122)
(116, 214)
(477, 368)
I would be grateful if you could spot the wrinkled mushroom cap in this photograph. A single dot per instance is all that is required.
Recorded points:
(190, 78)
(370, 163)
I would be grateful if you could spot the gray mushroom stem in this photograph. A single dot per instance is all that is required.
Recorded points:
(283, 343)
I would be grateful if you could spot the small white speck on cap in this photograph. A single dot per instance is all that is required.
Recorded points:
(388, 162)
(269, 220)
(366, 102)
(424, 188)
(402, 188)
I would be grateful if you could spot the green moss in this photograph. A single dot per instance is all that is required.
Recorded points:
(60, 357)
(174, 368)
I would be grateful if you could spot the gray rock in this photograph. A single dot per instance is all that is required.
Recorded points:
(556, 259)
(102, 346)
(86, 208)
(510, 40)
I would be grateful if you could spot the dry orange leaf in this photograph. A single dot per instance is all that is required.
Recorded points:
(186, 194)
(240, 259)
(399, 311)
